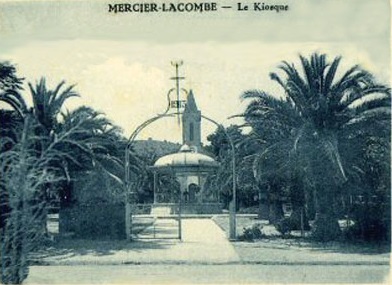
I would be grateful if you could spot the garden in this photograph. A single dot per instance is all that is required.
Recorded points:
(323, 148)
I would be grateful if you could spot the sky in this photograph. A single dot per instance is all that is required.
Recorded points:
(121, 63)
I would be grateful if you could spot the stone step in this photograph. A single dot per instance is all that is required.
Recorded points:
(161, 211)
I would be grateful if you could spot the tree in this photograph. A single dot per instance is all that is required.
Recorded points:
(23, 175)
(10, 85)
(35, 158)
(143, 154)
(91, 133)
(8, 78)
(220, 147)
(317, 113)
(47, 105)
(10, 128)
(368, 201)
(94, 144)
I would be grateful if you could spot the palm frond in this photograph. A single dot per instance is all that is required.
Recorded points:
(331, 75)
(58, 100)
(16, 101)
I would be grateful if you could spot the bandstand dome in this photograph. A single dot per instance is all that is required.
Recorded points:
(185, 158)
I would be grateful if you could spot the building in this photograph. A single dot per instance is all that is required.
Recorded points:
(191, 168)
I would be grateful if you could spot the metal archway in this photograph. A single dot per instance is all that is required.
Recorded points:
(130, 194)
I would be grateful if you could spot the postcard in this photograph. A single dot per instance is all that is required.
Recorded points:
(195, 141)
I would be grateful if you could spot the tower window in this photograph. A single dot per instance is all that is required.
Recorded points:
(191, 130)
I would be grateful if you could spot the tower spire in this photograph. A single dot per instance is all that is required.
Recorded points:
(191, 123)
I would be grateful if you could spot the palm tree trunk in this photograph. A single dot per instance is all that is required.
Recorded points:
(328, 174)
(275, 207)
(275, 211)
(263, 205)
(326, 226)
(298, 217)
(310, 203)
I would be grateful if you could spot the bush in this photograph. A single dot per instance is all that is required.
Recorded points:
(372, 221)
(249, 210)
(368, 232)
(284, 226)
(251, 233)
(94, 221)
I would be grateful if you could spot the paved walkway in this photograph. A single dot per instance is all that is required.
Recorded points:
(203, 243)
(204, 256)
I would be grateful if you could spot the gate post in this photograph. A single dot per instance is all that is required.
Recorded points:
(129, 197)
(233, 202)
(128, 222)
(179, 218)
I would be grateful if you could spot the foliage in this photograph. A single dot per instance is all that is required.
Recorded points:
(23, 175)
(143, 156)
(247, 188)
(284, 226)
(94, 139)
(11, 126)
(47, 104)
(219, 142)
(39, 152)
(8, 78)
(304, 130)
(372, 219)
(94, 220)
(368, 198)
(251, 233)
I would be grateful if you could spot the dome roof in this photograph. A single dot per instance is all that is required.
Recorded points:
(185, 157)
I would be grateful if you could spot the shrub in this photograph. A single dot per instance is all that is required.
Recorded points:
(251, 233)
(372, 221)
(284, 226)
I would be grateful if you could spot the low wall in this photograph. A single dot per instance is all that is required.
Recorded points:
(97, 221)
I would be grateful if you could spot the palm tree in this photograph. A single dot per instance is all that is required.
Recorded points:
(223, 179)
(8, 78)
(10, 85)
(23, 174)
(38, 158)
(45, 111)
(317, 114)
(92, 144)
(47, 105)
(84, 131)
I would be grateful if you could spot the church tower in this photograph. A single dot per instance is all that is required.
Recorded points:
(191, 119)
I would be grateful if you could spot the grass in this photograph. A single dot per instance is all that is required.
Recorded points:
(245, 222)
(273, 237)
